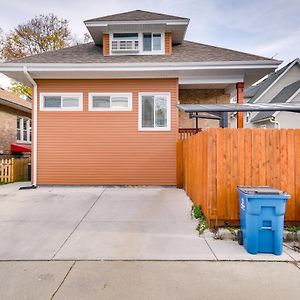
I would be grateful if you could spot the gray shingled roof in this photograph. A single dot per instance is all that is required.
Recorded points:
(137, 15)
(282, 97)
(185, 52)
(251, 91)
(255, 91)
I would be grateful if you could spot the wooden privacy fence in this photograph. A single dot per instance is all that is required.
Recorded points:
(13, 169)
(212, 163)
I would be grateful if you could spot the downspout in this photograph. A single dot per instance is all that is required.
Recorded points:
(28, 76)
(273, 121)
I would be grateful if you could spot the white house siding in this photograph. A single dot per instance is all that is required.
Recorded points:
(287, 120)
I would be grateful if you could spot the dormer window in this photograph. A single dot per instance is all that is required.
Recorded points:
(141, 43)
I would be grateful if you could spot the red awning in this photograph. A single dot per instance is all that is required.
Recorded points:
(16, 148)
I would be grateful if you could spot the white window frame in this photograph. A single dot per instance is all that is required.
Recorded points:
(28, 129)
(62, 95)
(128, 95)
(152, 50)
(168, 127)
(140, 39)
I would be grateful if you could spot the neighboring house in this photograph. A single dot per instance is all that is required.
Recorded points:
(15, 124)
(282, 86)
(105, 112)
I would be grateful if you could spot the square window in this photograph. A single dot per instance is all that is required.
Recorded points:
(154, 111)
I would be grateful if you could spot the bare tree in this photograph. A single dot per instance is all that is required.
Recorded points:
(87, 38)
(40, 34)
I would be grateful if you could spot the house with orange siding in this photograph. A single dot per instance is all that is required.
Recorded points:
(105, 112)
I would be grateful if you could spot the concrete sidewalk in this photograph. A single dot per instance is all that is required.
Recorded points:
(149, 280)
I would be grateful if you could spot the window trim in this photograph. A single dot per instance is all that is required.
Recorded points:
(28, 129)
(128, 95)
(42, 102)
(168, 127)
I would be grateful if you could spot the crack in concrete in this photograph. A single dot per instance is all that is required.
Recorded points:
(64, 279)
(87, 212)
(208, 245)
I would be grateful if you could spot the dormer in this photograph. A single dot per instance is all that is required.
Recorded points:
(137, 33)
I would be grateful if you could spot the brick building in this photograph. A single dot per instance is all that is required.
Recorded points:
(15, 123)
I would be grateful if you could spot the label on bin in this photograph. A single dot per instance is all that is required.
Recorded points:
(243, 204)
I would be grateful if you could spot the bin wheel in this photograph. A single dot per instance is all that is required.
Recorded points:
(240, 237)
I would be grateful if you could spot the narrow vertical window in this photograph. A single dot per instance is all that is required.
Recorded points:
(147, 42)
(23, 130)
(156, 41)
(19, 129)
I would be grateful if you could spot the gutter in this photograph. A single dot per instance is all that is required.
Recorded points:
(215, 65)
(34, 145)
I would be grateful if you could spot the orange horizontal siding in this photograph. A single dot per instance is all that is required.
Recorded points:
(105, 148)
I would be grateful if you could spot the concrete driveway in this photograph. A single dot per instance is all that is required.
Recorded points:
(95, 223)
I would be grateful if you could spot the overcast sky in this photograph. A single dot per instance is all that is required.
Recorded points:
(266, 27)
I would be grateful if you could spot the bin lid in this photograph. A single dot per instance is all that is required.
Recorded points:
(260, 190)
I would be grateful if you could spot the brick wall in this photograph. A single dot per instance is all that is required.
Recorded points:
(8, 127)
(207, 96)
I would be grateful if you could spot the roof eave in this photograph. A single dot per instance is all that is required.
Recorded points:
(14, 105)
(261, 120)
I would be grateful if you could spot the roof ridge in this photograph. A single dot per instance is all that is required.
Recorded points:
(122, 14)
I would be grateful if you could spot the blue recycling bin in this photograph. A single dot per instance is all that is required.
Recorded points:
(262, 210)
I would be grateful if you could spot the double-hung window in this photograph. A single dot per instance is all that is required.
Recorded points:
(154, 111)
(61, 101)
(23, 130)
(110, 101)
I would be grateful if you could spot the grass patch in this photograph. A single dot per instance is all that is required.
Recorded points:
(293, 229)
(197, 214)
